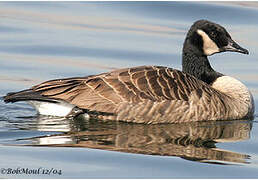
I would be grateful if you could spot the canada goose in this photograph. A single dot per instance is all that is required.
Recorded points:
(153, 94)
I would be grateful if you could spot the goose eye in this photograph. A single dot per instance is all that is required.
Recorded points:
(213, 34)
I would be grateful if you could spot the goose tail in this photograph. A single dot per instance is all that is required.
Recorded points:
(26, 95)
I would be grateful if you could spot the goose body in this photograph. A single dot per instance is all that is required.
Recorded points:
(153, 94)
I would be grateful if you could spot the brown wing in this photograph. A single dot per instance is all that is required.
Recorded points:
(133, 85)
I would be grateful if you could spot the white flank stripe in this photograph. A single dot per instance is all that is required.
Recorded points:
(52, 109)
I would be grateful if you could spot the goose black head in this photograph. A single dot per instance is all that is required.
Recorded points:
(210, 38)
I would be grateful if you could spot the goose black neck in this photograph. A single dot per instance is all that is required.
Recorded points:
(197, 64)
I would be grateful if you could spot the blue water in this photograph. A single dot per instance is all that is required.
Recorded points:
(47, 40)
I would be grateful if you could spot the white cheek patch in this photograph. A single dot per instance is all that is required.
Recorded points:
(209, 46)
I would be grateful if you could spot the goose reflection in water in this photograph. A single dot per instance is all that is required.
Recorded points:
(192, 141)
